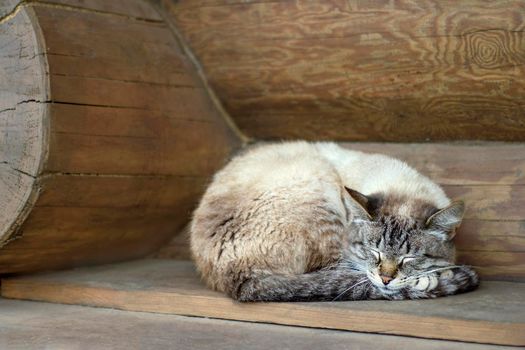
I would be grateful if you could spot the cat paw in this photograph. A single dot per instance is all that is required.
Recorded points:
(466, 277)
(456, 280)
(425, 283)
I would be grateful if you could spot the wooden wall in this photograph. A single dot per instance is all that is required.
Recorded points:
(128, 135)
(364, 70)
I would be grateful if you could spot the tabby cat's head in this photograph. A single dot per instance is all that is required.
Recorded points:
(402, 239)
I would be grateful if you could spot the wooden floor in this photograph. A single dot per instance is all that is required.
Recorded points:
(33, 325)
(492, 314)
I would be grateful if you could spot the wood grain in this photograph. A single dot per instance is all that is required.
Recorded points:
(136, 9)
(23, 118)
(488, 315)
(96, 329)
(363, 71)
(131, 135)
(86, 235)
(107, 140)
(498, 202)
(7, 7)
(178, 248)
(483, 163)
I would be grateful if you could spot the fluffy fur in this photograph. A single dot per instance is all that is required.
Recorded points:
(305, 221)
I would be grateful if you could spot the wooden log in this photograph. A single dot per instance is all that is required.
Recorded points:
(364, 70)
(108, 134)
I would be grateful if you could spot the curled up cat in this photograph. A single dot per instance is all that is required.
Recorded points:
(301, 221)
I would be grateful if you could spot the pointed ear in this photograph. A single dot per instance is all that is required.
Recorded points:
(363, 201)
(445, 222)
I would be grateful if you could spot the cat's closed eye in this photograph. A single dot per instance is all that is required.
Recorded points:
(377, 254)
(406, 259)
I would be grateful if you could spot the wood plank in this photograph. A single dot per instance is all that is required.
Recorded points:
(349, 70)
(489, 315)
(484, 235)
(487, 163)
(495, 265)
(362, 121)
(178, 248)
(83, 236)
(78, 214)
(111, 37)
(215, 3)
(99, 191)
(106, 47)
(105, 140)
(96, 329)
(320, 19)
(490, 202)
(138, 9)
(115, 69)
(187, 100)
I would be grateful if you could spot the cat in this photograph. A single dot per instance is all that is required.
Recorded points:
(299, 221)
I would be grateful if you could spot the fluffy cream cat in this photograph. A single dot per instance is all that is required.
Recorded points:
(313, 221)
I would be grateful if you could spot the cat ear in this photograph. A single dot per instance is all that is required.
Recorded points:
(363, 201)
(445, 222)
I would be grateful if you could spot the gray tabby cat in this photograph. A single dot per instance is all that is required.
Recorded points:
(305, 221)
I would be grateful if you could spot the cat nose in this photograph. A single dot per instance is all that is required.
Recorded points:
(386, 280)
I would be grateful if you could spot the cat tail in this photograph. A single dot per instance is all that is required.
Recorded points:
(321, 285)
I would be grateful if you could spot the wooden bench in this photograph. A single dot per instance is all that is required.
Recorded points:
(114, 115)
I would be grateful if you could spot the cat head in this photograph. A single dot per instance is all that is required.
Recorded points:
(401, 238)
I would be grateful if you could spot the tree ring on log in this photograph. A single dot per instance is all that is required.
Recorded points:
(23, 117)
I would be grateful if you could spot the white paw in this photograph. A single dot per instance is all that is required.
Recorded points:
(426, 283)
(447, 274)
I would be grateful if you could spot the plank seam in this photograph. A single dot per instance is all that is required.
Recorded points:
(107, 106)
(128, 81)
(201, 74)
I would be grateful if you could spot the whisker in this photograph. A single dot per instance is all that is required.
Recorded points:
(368, 288)
(359, 282)
(352, 265)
